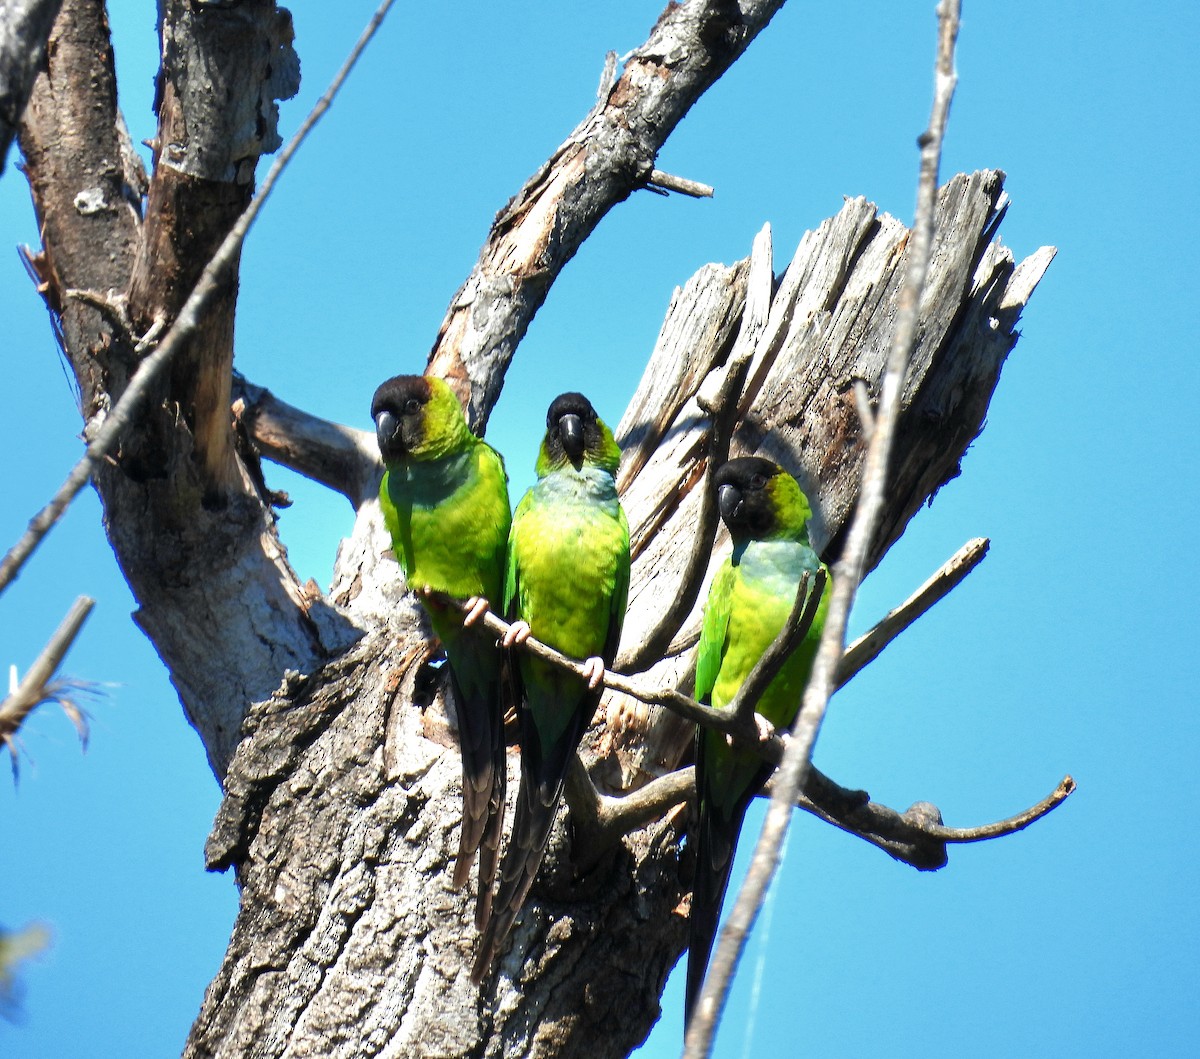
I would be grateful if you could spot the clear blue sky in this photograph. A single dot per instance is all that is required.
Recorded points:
(1070, 650)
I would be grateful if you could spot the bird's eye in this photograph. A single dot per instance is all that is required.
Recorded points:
(412, 406)
(758, 481)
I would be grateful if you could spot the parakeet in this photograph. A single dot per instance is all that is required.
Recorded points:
(567, 584)
(748, 604)
(445, 504)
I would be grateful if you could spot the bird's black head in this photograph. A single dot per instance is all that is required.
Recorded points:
(572, 428)
(398, 409)
(748, 497)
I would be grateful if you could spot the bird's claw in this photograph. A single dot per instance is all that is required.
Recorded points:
(765, 728)
(518, 632)
(477, 607)
(594, 671)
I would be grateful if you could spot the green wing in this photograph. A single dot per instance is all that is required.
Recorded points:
(713, 631)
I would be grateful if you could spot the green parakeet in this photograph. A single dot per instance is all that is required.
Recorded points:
(567, 584)
(748, 605)
(445, 504)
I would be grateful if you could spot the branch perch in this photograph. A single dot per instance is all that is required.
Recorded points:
(916, 837)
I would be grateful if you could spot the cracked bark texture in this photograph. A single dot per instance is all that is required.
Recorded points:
(340, 770)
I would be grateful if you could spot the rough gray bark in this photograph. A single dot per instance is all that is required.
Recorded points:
(187, 516)
(24, 27)
(342, 786)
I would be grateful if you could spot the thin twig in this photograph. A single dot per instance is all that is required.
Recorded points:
(870, 645)
(676, 701)
(702, 1026)
(36, 687)
(140, 385)
(1005, 827)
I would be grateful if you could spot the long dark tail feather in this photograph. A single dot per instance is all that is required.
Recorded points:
(479, 733)
(489, 847)
(716, 837)
(541, 788)
(531, 830)
(716, 842)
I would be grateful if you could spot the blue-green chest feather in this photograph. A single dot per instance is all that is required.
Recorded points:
(571, 556)
(765, 576)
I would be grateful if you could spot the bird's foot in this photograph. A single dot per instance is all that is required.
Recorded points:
(477, 607)
(765, 728)
(518, 632)
(594, 671)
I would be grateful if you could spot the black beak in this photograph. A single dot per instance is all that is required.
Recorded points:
(387, 431)
(729, 502)
(570, 429)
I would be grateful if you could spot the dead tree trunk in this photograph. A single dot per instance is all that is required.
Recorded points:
(341, 777)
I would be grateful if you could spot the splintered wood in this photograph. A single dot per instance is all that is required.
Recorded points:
(827, 329)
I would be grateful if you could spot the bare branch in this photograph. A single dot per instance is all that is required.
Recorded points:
(142, 383)
(871, 644)
(37, 688)
(849, 571)
(916, 837)
(1010, 826)
(343, 458)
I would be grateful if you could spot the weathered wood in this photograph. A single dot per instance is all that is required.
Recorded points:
(215, 592)
(829, 325)
(223, 67)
